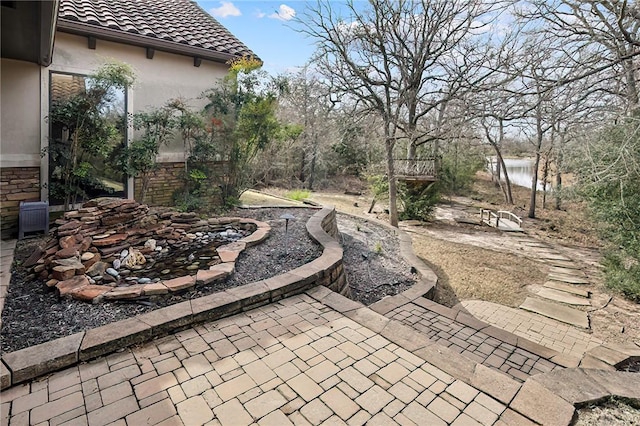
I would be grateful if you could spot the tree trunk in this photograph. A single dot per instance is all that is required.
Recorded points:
(393, 189)
(314, 156)
(534, 187)
(558, 189)
(631, 86)
(545, 177)
(411, 151)
(508, 195)
(303, 160)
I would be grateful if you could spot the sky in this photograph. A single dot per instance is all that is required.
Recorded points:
(268, 28)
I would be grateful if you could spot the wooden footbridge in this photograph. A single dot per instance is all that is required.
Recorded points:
(501, 219)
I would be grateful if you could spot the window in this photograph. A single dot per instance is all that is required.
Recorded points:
(87, 123)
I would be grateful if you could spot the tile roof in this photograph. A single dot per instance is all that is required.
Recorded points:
(179, 26)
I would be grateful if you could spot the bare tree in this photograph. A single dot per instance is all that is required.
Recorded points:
(598, 38)
(396, 58)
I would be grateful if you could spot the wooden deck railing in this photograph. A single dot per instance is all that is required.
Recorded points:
(420, 167)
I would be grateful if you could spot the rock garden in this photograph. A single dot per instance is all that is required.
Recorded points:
(114, 249)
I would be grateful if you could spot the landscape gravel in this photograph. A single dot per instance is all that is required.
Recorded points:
(33, 314)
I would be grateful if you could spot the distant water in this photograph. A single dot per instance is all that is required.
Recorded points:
(520, 171)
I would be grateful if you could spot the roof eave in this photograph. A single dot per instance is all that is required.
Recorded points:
(79, 28)
(49, 18)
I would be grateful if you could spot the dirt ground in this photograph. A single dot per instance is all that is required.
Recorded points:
(474, 262)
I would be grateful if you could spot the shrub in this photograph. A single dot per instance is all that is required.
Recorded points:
(418, 201)
(623, 274)
(298, 194)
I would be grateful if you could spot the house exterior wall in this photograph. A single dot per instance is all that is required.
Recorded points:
(162, 183)
(168, 177)
(166, 76)
(25, 104)
(19, 138)
(20, 130)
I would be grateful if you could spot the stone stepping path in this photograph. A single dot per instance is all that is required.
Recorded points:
(557, 312)
(570, 279)
(567, 288)
(553, 256)
(555, 298)
(567, 271)
(562, 297)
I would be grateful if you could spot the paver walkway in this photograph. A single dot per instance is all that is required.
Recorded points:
(296, 361)
(545, 331)
(475, 344)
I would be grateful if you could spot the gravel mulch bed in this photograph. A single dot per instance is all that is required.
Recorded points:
(372, 260)
(33, 314)
(611, 412)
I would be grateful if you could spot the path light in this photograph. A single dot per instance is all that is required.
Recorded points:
(287, 217)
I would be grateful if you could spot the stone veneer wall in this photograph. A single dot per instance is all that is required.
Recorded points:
(167, 178)
(17, 184)
(163, 183)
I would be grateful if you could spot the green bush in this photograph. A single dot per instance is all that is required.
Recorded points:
(298, 194)
(418, 201)
(608, 169)
(623, 274)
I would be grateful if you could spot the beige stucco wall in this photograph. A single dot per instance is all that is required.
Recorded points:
(164, 77)
(20, 120)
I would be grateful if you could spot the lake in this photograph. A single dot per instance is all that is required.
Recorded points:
(520, 171)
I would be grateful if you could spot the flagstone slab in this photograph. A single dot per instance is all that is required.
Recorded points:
(563, 264)
(557, 312)
(571, 279)
(535, 244)
(562, 297)
(552, 256)
(567, 288)
(566, 271)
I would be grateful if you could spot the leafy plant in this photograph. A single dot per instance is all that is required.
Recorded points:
(139, 158)
(242, 112)
(88, 131)
(377, 248)
(298, 194)
(418, 201)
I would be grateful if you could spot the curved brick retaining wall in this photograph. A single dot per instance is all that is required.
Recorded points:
(326, 270)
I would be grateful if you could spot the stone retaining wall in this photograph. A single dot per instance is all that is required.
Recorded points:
(17, 184)
(335, 279)
(327, 270)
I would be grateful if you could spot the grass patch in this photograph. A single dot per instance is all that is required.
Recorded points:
(623, 275)
(298, 194)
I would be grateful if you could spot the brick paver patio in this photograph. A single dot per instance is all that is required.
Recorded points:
(297, 361)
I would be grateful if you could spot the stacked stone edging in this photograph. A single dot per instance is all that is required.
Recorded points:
(32, 362)
(324, 230)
